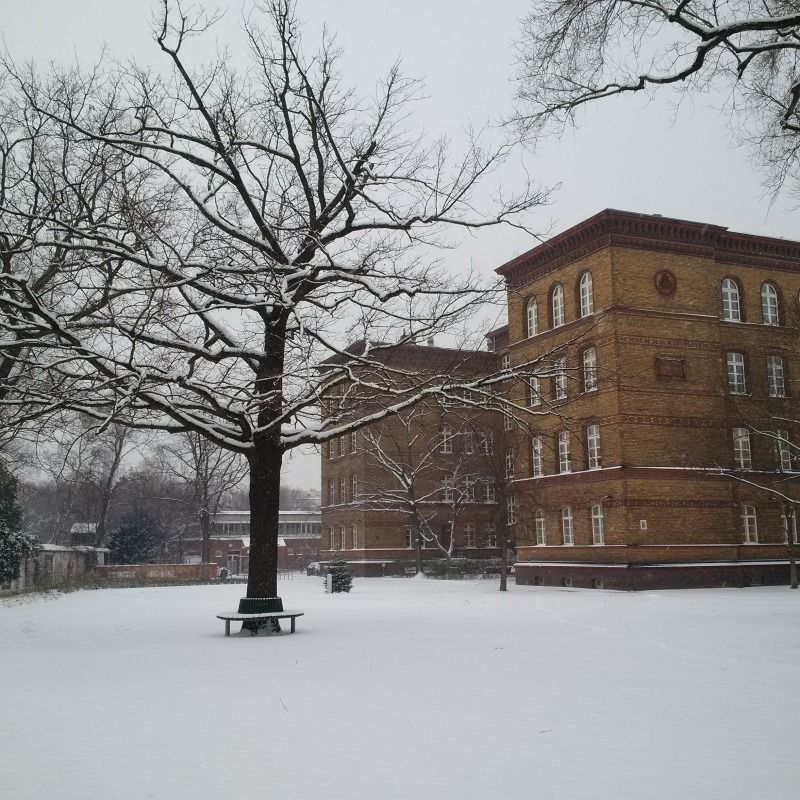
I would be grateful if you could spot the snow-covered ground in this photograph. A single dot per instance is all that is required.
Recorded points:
(402, 689)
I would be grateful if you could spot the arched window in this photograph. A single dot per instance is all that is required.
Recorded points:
(567, 534)
(541, 530)
(586, 294)
(537, 457)
(589, 359)
(750, 524)
(731, 305)
(769, 304)
(598, 525)
(557, 305)
(593, 446)
(531, 318)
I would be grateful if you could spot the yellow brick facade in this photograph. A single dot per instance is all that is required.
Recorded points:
(662, 404)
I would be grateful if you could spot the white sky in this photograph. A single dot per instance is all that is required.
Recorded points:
(630, 154)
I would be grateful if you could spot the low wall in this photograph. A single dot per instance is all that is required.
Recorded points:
(634, 577)
(155, 574)
(55, 567)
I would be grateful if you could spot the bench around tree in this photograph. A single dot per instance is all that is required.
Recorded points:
(259, 618)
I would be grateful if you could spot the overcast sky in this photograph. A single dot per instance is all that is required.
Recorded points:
(630, 154)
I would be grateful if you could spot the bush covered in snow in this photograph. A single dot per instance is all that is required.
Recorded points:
(341, 575)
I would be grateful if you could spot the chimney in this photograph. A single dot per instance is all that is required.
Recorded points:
(430, 342)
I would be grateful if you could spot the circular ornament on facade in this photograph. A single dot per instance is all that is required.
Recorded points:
(666, 282)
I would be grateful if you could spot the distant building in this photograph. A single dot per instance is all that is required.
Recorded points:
(299, 541)
(446, 502)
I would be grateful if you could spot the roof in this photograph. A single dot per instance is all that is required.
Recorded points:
(411, 354)
(654, 232)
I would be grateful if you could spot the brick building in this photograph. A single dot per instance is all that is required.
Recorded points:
(298, 541)
(668, 352)
(419, 484)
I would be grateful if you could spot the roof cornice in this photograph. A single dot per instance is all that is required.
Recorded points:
(651, 232)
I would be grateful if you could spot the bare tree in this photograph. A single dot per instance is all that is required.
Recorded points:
(209, 471)
(780, 486)
(418, 474)
(254, 215)
(573, 52)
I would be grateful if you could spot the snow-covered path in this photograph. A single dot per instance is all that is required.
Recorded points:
(402, 689)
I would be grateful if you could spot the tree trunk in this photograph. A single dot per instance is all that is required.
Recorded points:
(265, 489)
(418, 549)
(205, 531)
(503, 569)
(789, 516)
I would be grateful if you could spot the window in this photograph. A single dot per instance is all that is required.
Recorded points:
(353, 441)
(560, 379)
(448, 491)
(469, 442)
(446, 534)
(531, 318)
(343, 490)
(469, 534)
(586, 294)
(505, 361)
(331, 492)
(534, 393)
(589, 360)
(731, 307)
(790, 524)
(564, 463)
(409, 537)
(510, 463)
(353, 488)
(776, 383)
(557, 305)
(508, 421)
(343, 445)
(598, 525)
(486, 443)
(769, 304)
(737, 381)
(749, 524)
(567, 533)
(741, 449)
(488, 492)
(342, 537)
(540, 525)
(511, 512)
(537, 461)
(469, 488)
(330, 446)
(783, 451)
(491, 535)
(446, 437)
(331, 539)
(593, 446)
(354, 537)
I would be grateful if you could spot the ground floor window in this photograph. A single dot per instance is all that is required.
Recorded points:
(749, 524)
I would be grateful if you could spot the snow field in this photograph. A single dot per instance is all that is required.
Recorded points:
(402, 689)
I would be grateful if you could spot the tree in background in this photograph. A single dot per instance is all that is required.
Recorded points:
(136, 539)
(15, 546)
(573, 52)
(253, 215)
(209, 471)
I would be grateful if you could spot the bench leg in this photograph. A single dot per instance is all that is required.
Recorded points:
(227, 627)
(292, 631)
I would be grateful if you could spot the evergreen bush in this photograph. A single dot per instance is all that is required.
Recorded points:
(341, 575)
(15, 546)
